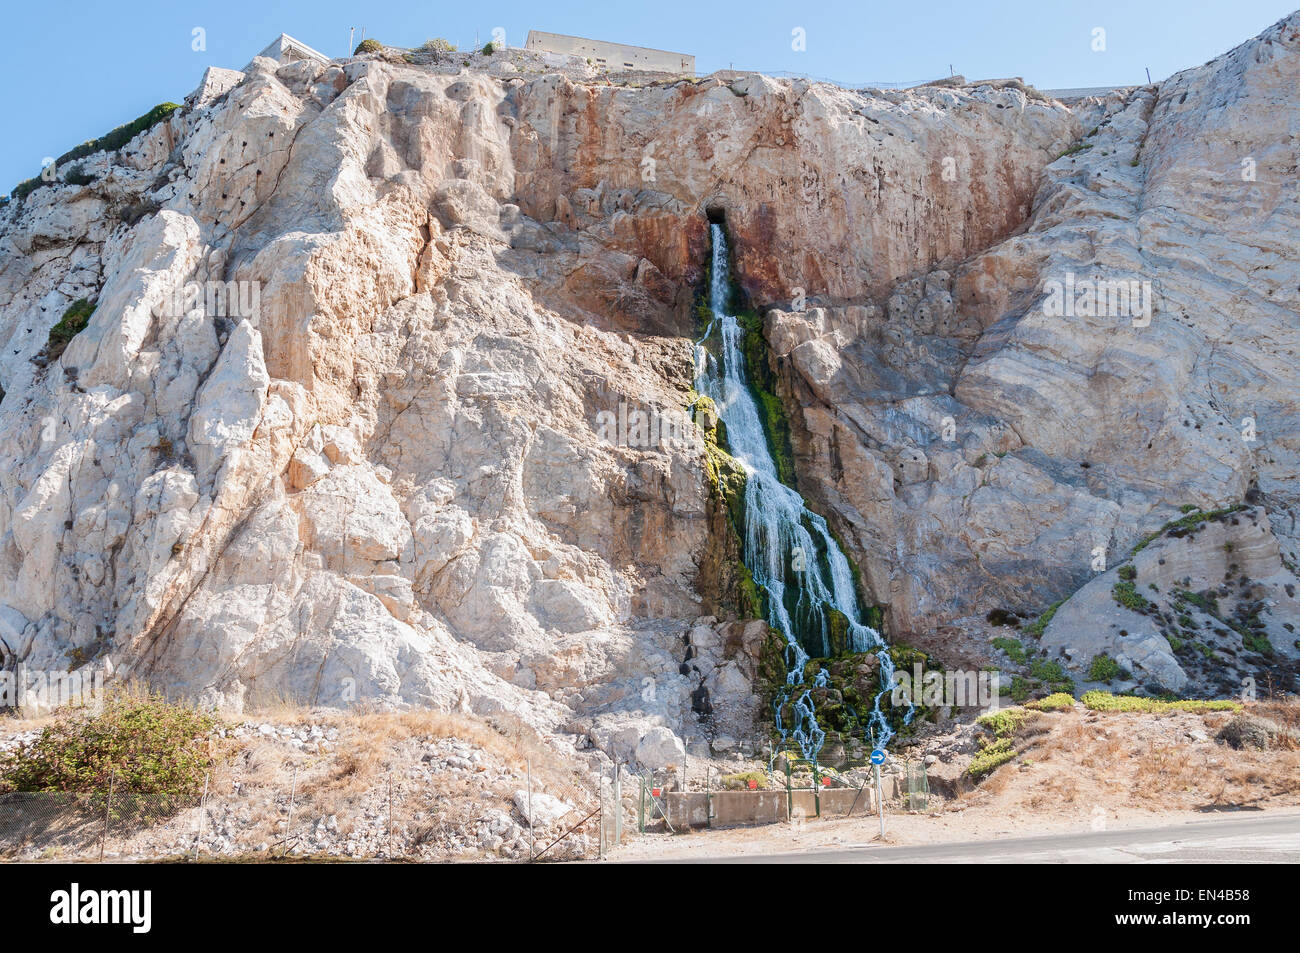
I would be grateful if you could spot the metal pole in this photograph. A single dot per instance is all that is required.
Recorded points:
(618, 806)
(880, 801)
(390, 817)
(107, 807)
(640, 810)
(198, 839)
(293, 790)
(532, 830)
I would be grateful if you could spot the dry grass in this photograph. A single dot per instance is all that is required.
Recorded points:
(1073, 761)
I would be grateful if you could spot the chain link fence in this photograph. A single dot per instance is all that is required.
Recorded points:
(398, 819)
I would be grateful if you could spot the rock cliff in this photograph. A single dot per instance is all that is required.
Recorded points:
(382, 395)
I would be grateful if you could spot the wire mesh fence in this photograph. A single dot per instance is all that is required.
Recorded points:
(398, 819)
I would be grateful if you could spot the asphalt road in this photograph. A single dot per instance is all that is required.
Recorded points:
(1257, 838)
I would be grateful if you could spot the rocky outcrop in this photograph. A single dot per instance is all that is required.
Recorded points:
(371, 457)
(984, 447)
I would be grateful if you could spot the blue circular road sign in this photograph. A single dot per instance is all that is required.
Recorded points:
(878, 756)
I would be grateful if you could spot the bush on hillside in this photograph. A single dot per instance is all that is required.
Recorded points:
(148, 747)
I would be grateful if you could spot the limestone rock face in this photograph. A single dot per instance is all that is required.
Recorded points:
(415, 437)
(1217, 607)
(983, 447)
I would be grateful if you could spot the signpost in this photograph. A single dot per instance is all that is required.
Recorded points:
(878, 756)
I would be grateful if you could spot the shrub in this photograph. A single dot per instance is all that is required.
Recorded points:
(1003, 723)
(1055, 702)
(120, 136)
(740, 781)
(1257, 642)
(1243, 731)
(1103, 668)
(1128, 571)
(991, 756)
(1015, 651)
(1194, 519)
(78, 176)
(370, 45)
(138, 210)
(148, 746)
(73, 322)
(1125, 594)
(1037, 628)
(437, 45)
(1105, 701)
(489, 48)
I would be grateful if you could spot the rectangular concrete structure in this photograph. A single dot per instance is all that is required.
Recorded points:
(695, 809)
(614, 56)
(285, 49)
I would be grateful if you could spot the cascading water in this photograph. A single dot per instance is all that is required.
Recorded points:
(788, 549)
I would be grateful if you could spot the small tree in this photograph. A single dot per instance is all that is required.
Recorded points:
(147, 745)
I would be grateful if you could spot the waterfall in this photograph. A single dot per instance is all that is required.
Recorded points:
(788, 549)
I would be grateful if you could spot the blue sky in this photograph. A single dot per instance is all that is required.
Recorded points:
(74, 70)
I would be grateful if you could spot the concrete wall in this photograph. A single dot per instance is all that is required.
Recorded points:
(745, 808)
(614, 56)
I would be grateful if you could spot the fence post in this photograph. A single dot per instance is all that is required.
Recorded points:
(532, 830)
(390, 816)
(817, 790)
(640, 810)
(618, 806)
(288, 831)
(108, 806)
(198, 838)
(789, 794)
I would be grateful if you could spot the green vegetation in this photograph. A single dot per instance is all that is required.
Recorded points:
(1004, 722)
(1058, 701)
(1127, 572)
(120, 136)
(1012, 647)
(370, 45)
(741, 780)
(1194, 519)
(1125, 594)
(762, 384)
(145, 744)
(1020, 688)
(991, 756)
(115, 139)
(1079, 147)
(1257, 642)
(1037, 628)
(489, 49)
(73, 322)
(1051, 672)
(1104, 669)
(78, 176)
(1003, 617)
(439, 45)
(1105, 701)
(1004, 726)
